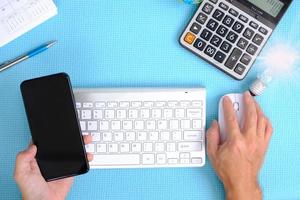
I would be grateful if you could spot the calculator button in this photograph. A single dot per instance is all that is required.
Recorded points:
(253, 25)
(258, 39)
(233, 58)
(252, 49)
(240, 69)
(243, 18)
(200, 44)
(242, 43)
(195, 28)
(216, 41)
(206, 34)
(248, 33)
(189, 38)
(218, 15)
(210, 51)
(232, 37)
(207, 8)
(263, 30)
(220, 57)
(201, 18)
(214, 1)
(223, 6)
(226, 47)
(246, 59)
(238, 27)
(233, 12)
(212, 25)
(228, 21)
(222, 30)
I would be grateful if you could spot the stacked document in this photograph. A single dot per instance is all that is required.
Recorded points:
(19, 16)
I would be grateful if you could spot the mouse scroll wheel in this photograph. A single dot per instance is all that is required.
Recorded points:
(236, 106)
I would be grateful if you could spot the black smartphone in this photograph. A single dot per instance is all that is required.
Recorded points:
(54, 126)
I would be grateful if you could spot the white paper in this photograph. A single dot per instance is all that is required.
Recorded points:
(20, 16)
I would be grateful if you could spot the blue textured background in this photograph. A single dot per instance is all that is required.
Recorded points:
(135, 43)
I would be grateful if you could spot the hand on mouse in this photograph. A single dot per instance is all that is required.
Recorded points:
(238, 159)
(31, 182)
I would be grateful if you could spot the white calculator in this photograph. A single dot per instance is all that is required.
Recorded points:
(230, 34)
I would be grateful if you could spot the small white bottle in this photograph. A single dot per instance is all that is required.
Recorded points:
(261, 83)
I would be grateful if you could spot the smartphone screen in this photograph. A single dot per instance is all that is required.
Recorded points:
(55, 130)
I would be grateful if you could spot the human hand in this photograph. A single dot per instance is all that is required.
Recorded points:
(31, 182)
(238, 159)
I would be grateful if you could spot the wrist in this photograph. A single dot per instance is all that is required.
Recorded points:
(243, 191)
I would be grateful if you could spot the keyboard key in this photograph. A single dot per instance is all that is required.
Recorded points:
(200, 44)
(214, 1)
(173, 161)
(263, 30)
(220, 57)
(218, 15)
(130, 136)
(148, 159)
(148, 147)
(113, 148)
(212, 25)
(83, 125)
(112, 104)
(222, 30)
(240, 69)
(233, 12)
(156, 113)
(148, 104)
(168, 113)
(184, 161)
(197, 124)
(162, 124)
(121, 114)
(195, 28)
(90, 148)
(243, 18)
(174, 124)
(103, 125)
(201, 18)
(124, 104)
(145, 113)
(119, 136)
(161, 103)
(87, 105)
(150, 125)
(210, 51)
(165, 135)
(246, 59)
(127, 125)
(206, 34)
(194, 113)
(185, 124)
(116, 125)
(192, 135)
(216, 41)
(189, 146)
(139, 125)
(136, 104)
(242, 43)
(223, 6)
(107, 136)
(136, 147)
(176, 135)
(238, 27)
(179, 113)
(253, 25)
(161, 158)
(233, 58)
(109, 114)
(141, 136)
(228, 21)
(86, 114)
(226, 47)
(189, 38)
(197, 104)
(92, 125)
(252, 49)
(133, 114)
(100, 104)
(101, 148)
(153, 136)
(196, 160)
(97, 114)
(258, 39)
(124, 147)
(232, 37)
(78, 105)
(173, 104)
(248, 33)
(207, 8)
(159, 147)
(122, 159)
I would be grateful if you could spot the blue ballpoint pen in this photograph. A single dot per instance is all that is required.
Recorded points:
(27, 55)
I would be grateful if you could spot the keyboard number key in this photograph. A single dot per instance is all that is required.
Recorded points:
(200, 44)
(238, 27)
(210, 51)
(218, 15)
(252, 49)
(248, 33)
(232, 37)
(228, 21)
(246, 59)
(206, 35)
(216, 41)
(226, 47)
(233, 58)
(195, 28)
(240, 69)
(148, 159)
(242, 43)
(212, 25)
(222, 31)
(258, 39)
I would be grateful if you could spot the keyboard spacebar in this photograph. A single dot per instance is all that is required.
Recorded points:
(124, 159)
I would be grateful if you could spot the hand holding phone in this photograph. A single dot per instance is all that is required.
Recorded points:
(54, 126)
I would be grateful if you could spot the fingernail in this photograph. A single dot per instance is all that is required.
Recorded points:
(226, 99)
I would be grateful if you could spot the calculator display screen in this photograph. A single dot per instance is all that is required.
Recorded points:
(272, 7)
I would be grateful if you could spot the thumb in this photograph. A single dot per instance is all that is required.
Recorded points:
(25, 157)
(213, 139)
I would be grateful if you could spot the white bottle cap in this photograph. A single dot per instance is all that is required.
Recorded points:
(258, 87)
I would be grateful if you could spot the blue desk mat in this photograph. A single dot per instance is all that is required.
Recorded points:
(135, 44)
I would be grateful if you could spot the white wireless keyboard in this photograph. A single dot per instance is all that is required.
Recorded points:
(136, 128)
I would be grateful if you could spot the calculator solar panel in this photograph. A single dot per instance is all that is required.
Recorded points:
(226, 36)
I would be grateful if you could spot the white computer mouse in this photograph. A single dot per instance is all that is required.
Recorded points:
(238, 104)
